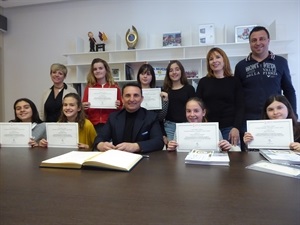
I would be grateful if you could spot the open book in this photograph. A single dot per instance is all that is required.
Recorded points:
(111, 159)
(207, 158)
(281, 156)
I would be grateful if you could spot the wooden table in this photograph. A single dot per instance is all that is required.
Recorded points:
(160, 190)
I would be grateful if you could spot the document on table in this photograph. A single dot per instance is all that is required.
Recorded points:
(15, 134)
(152, 99)
(202, 136)
(270, 134)
(102, 98)
(62, 135)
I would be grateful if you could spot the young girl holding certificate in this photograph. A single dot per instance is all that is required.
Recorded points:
(179, 91)
(72, 111)
(278, 107)
(146, 78)
(195, 113)
(100, 76)
(26, 111)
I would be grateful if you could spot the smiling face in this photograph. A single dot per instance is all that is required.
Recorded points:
(259, 44)
(132, 98)
(216, 62)
(70, 108)
(175, 72)
(23, 111)
(277, 110)
(57, 77)
(99, 72)
(194, 112)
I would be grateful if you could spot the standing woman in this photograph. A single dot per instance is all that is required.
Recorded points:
(52, 98)
(179, 91)
(146, 78)
(100, 76)
(26, 111)
(223, 95)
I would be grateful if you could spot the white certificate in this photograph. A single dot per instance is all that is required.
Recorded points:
(271, 134)
(102, 98)
(62, 135)
(152, 99)
(15, 134)
(202, 136)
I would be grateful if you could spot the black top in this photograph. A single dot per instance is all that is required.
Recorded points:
(53, 106)
(177, 101)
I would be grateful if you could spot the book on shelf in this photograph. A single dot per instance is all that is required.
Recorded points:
(203, 157)
(111, 159)
(281, 156)
(278, 169)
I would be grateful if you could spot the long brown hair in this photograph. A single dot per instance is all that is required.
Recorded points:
(80, 118)
(291, 113)
(168, 84)
(91, 80)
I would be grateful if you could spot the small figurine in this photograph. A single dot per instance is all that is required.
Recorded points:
(92, 41)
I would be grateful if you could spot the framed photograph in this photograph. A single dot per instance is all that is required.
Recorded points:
(242, 33)
(172, 39)
(206, 34)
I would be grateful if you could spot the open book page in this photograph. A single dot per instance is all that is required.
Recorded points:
(268, 167)
(73, 159)
(114, 159)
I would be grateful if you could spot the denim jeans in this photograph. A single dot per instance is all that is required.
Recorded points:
(170, 128)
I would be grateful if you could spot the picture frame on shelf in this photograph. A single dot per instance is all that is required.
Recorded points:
(206, 34)
(242, 33)
(172, 39)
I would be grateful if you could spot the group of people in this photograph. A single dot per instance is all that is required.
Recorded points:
(259, 88)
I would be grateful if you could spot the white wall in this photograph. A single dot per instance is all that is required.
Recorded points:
(39, 35)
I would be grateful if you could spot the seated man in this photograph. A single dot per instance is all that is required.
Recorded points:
(133, 129)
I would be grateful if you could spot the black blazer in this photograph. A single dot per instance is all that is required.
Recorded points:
(146, 131)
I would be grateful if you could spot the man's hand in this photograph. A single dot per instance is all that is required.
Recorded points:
(128, 147)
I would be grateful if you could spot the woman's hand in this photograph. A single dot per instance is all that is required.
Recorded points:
(247, 138)
(295, 146)
(86, 105)
(33, 143)
(118, 103)
(164, 96)
(234, 136)
(83, 146)
(224, 145)
(43, 143)
(172, 145)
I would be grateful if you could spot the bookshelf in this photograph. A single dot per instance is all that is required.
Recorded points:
(193, 59)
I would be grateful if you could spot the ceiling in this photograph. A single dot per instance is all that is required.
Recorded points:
(19, 3)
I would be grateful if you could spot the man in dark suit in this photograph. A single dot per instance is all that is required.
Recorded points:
(133, 129)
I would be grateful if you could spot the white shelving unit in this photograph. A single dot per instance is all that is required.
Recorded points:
(193, 58)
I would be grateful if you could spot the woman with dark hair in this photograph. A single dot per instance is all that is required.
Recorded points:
(72, 111)
(146, 78)
(26, 111)
(278, 107)
(100, 76)
(179, 91)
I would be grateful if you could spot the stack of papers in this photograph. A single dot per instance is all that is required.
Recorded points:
(207, 158)
(281, 156)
